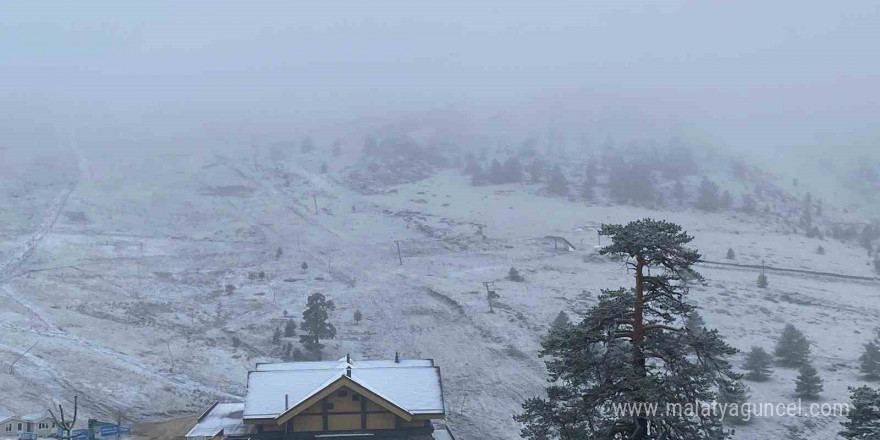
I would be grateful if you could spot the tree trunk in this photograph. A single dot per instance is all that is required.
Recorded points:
(638, 338)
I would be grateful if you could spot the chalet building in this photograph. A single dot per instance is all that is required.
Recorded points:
(369, 399)
(28, 426)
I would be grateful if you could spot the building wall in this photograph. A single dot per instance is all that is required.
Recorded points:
(345, 411)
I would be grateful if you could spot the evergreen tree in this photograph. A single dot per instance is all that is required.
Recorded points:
(561, 322)
(590, 173)
(315, 323)
(807, 215)
(758, 364)
(730, 254)
(512, 170)
(762, 280)
(537, 170)
(726, 200)
(471, 166)
(479, 177)
(678, 191)
(869, 361)
(748, 204)
(863, 418)
(558, 184)
(820, 250)
(276, 336)
(496, 173)
(358, 316)
(808, 383)
(707, 197)
(694, 322)
(733, 398)
(793, 348)
(304, 266)
(290, 329)
(513, 275)
(603, 360)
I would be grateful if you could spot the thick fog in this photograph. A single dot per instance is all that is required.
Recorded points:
(750, 75)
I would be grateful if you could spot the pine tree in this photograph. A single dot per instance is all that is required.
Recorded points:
(762, 280)
(748, 206)
(678, 191)
(496, 173)
(315, 323)
(707, 198)
(863, 418)
(808, 383)
(513, 275)
(793, 348)
(694, 322)
(726, 200)
(358, 316)
(304, 266)
(536, 170)
(558, 184)
(730, 254)
(758, 364)
(561, 322)
(869, 361)
(820, 250)
(290, 329)
(807, 215)
(603, 359)
(512, 170)
(733, 398)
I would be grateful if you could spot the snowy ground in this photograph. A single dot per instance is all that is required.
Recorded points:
(121, 286)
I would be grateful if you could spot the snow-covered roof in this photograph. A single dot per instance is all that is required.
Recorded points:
(36, 416)
(225, 417)
(341, 364)
(412, 385)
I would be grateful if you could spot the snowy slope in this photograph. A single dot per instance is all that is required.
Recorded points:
(125, 295)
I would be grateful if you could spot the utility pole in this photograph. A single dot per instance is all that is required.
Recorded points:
(490, 294)
(399, 257)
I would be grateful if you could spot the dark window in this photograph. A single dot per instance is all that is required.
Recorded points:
(19, 426)
(355, 396)
(330, 405)
(342, 393)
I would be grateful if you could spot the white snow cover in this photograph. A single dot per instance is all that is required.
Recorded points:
(413, 386)
(324, 365)
(221, 417)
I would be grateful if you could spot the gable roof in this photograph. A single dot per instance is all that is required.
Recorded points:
(407, 388)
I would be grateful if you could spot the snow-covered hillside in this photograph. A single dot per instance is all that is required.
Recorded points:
(121, 281)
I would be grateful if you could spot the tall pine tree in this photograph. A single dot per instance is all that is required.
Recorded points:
(808, 383)
(630, 348)
(314, 323)
(869, 362)
(793, 348)
(863, 418)
(759, 365)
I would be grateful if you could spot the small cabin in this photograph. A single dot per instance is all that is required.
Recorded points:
(368, 399)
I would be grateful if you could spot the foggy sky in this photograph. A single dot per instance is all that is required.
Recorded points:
(752, 74)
